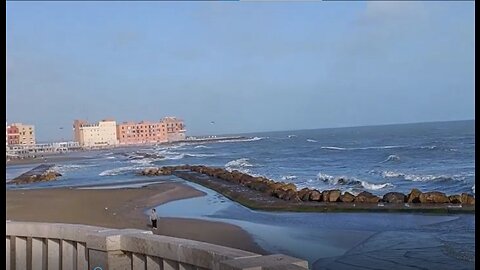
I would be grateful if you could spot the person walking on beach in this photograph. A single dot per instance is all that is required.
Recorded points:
(153, 218)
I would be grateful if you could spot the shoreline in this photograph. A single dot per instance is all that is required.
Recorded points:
(124, 208)
(64, 156)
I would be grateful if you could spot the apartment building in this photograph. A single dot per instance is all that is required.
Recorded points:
(175, 128)
(100, 134)
(140, 133)
(169, 129)
(20, 134)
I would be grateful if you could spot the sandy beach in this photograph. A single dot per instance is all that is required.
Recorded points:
(123, 208)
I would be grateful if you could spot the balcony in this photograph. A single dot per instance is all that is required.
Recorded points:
(32, 245)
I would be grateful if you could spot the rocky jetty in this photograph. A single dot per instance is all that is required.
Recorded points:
(41, 173)
(289, 192)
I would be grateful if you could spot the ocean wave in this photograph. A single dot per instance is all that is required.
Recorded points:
(243, 140)
(288, 177)
(343, 180)
(372, 186)
(361, 148)
(391, 158)
(241, 164)
(201, 146)
(428, 147)
(473, 189)
(333, 148)
(310, 140)
(145, 161)
(63, 168)
(199, 155)
(117, 171)
(292, 136)
(424, 177)
(174, 157)
(122, 170)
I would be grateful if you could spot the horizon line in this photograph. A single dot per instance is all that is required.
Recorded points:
(357, 126)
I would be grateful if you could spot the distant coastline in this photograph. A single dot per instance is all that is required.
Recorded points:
(62, 156)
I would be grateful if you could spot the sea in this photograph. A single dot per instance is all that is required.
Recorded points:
(437, 156)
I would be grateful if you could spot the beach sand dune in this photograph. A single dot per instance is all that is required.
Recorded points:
(123, 208)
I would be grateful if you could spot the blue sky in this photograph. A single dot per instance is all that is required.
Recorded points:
(248, 66)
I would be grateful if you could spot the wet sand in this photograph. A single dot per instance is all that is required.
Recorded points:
(123, 208)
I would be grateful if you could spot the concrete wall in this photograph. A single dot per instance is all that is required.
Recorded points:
(32, 245)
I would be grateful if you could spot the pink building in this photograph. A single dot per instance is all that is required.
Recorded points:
(175, 129)
(167, 130)
(13, 135)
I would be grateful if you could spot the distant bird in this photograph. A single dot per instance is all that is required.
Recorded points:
(212, 122)
(61, 127)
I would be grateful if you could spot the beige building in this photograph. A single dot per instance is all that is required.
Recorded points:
(174, 128)
(101, 134)
(18, 133)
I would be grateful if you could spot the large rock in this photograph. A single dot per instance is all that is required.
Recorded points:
(394, 197)
(466, 198)
(304, 194)
(331, 195)
(315, 195)
(291, 195)
(455, 199)
(366, 197)
(347, 197)
(149, 171)
(290, 186)
(414, 196)
(41, 173)
(433, 197)
(165, 171)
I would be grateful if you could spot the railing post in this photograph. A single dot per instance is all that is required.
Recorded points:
(69, 255)
(82, 257)
(53, 249)
(39, 258)
(8, 253)
(104, 249)
(20, 252)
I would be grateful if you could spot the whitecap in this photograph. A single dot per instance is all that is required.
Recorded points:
(391, 158)
(372, 186)
(333, 148)
(199, 155)
(118, 171)
(175, 157)
(362, 148)
(241, 162)
(292, 136)
(243, 140)
(473, 189)
(343, 180)
(310, 140)
(63, 168)
(201, 146)
(288, 177)
(421, 178)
